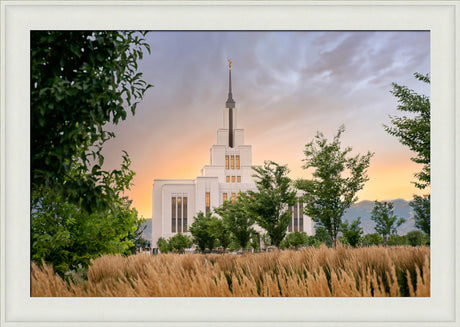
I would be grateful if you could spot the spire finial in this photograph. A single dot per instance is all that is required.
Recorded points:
(230, 102)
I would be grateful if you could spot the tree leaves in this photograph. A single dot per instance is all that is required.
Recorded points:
(270, 204)
(421, 206)
(80, 81)
(237, 220)
(386, 221)
(336, 180)
(414, 132)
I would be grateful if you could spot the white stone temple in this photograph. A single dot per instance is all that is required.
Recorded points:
(176, 201)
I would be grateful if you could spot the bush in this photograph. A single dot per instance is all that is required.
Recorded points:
(323, 236)
(163, 245)
(294, 240)
(398, 240)
(352, 233)
(418, 238)
(372, 239)
(179, 243)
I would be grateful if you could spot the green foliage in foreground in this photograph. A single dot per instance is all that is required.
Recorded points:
(81, 81)
(68, 237)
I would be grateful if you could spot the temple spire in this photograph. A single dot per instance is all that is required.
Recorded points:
(230, 102)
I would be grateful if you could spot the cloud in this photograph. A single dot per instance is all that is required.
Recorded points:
(287, 85)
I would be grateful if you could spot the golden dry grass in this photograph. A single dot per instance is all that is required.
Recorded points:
(374, 271)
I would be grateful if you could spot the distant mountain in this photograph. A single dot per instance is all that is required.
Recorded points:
(363, 209)
(147, 233)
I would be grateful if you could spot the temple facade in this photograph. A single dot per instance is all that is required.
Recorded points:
(176, 201)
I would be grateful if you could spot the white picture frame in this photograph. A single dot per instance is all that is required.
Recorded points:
(18, 18)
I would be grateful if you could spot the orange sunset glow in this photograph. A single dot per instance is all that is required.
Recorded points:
(287, 86)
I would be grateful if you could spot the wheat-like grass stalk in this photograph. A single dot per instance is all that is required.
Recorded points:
(322, 272)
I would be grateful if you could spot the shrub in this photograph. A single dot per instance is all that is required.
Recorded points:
(294, 240)
(179, 242)
(163, 245)
(417, 238)
(398, 240)
(372, 239)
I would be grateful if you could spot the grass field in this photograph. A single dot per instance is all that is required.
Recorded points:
(372, 271)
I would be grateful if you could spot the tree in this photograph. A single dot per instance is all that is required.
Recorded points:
(204, 235)
(352, 233)
(414, 132)
(180, 242)
(80, 82)
(396, 239)
(220, 231)
(336, 180)
(372, 239)
(269, 205)
(421, 206)
(294, 240)
(163, 245)
(386, 222)
(417, 238)
(238, 222)
(68, 237)
(322, 235)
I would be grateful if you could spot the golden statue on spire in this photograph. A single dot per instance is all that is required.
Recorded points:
(229, 64)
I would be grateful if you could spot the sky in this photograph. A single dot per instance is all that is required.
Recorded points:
(287, 86)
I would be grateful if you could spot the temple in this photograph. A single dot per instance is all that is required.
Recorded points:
(176, 201)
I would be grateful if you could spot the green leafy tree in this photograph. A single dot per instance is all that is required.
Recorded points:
(68, 237)
(352, 233)
(386, 222)
(414, 132)
(398, 240)
(372, 239)
(417, 238)
(337, 177)
(294, 240)
(421, 206)
(163, 245)
(269, 205)
(322, 235)
(255, 241)
(237, 221)
(180, 242)
(80, 82)
(203, 232)
(220, 231)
